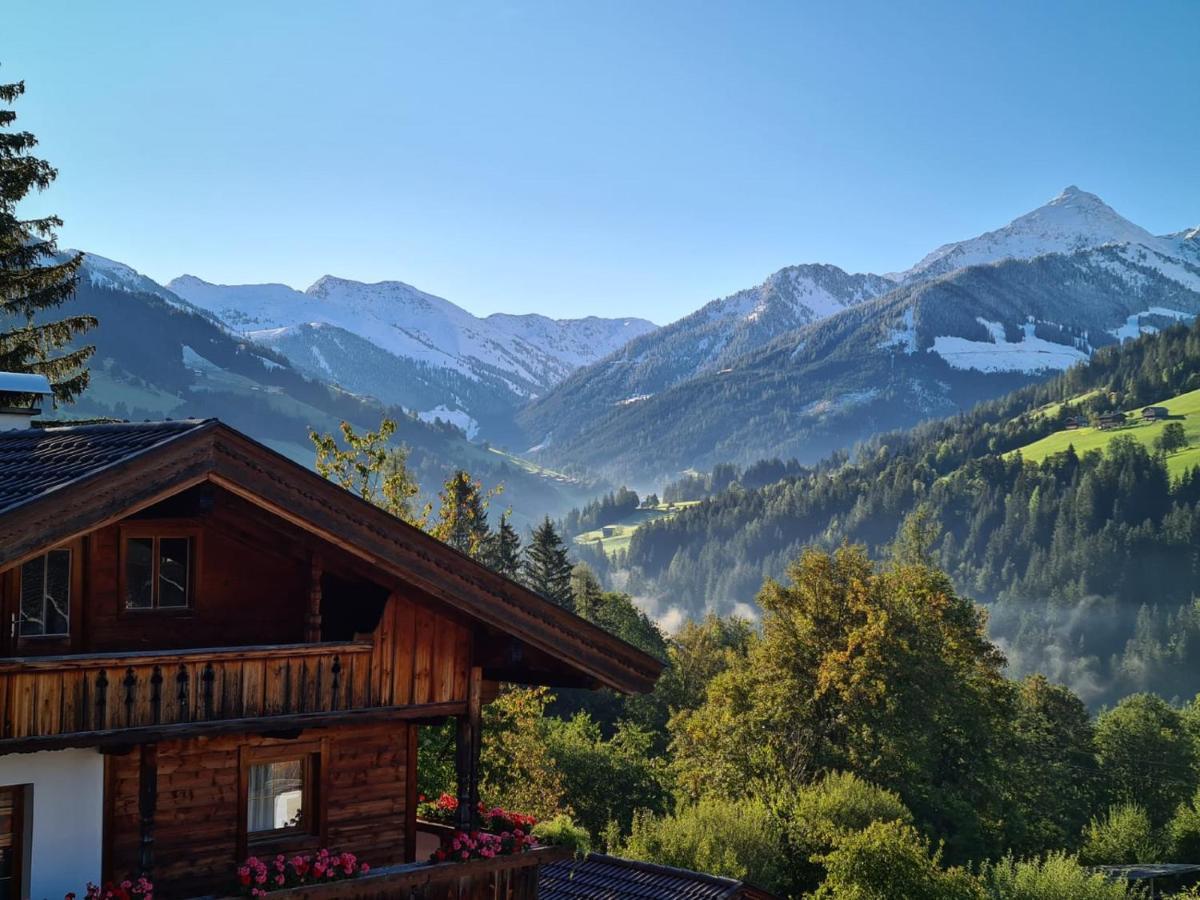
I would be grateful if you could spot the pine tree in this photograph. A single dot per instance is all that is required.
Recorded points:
(462, 519)
(502, 551)
(547, 568)
(585, 591)
(33, 278)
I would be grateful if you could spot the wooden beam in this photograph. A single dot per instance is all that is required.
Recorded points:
(468, 739)
(268, 725)
(412, 738)
(147, 803)
(462, 767)
(475, 716)
(312, 625)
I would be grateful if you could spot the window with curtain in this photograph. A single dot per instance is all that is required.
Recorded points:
(46, 595)
(275, 796)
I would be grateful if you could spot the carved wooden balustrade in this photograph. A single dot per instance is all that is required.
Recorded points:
(50, 699)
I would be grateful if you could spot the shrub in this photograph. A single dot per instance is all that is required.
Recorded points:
(1053, 878)
(735, 838)
(890, 861)
(1183, 832)
(561, 831)
(816, 816)
(1124, 836)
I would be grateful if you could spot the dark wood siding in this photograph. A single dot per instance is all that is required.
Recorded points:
(244, 594)
(196, 823)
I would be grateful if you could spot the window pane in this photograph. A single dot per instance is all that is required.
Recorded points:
(139, 573)
(173, 561)
(33, 593)
(58, 592)
(276, 794)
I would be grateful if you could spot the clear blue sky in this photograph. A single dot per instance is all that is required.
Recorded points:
(610, 158)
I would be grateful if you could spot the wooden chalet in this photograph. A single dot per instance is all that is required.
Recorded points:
(1109, 420)
(1153, 413)
(1073, 423)
(211, 651)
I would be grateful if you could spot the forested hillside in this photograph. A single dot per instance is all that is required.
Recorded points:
(1089, 560)
(923, 350)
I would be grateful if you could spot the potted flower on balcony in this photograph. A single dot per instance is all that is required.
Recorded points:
(259, 877)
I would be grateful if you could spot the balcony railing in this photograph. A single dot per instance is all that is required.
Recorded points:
(500, 878)
(53, 697)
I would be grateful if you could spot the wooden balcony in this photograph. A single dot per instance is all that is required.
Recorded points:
(93, 699)
(501, 878)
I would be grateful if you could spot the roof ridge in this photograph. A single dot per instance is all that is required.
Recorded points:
(149, 424)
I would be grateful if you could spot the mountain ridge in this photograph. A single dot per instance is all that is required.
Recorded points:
(934, 343)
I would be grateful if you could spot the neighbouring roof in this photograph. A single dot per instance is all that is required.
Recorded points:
(1147, 871)
(59, 483)
(37, 461)
(600, 877)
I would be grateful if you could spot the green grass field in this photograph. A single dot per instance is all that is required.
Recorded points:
(1184, 408)
(622, 531)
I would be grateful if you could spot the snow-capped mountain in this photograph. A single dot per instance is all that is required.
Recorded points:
(971, 321)
(159, 356)
(1074, 220)
(705, 341)
(406, 346)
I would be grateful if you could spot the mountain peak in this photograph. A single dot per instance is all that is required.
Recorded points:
(1074, 220)
(1071, 192)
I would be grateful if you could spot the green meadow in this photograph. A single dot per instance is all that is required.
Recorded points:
(1182, 408)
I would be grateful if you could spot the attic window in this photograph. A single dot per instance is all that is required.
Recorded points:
(159, 570)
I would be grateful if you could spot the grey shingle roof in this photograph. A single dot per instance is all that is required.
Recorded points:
(36, 461)
(599, 877)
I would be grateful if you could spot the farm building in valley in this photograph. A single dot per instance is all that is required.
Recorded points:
(1151, 413)
(215, 652)
(1111, 420)
(1073, 423)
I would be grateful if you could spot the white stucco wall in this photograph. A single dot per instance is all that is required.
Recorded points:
(67, 812)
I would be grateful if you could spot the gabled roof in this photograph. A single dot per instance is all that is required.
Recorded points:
(58, 483)
(36, 461)
(600, 877)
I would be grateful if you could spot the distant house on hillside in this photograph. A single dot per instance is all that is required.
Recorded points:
(1111, 420)
(1072, 423)
(1150, 413)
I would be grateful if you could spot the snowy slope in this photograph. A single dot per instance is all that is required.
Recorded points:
(972, 320)
(1074, 220)
(705, 341)
(530, 353)
(107, 273)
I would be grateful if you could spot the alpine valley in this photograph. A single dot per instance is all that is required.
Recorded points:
(808, 363)
(814, 359)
